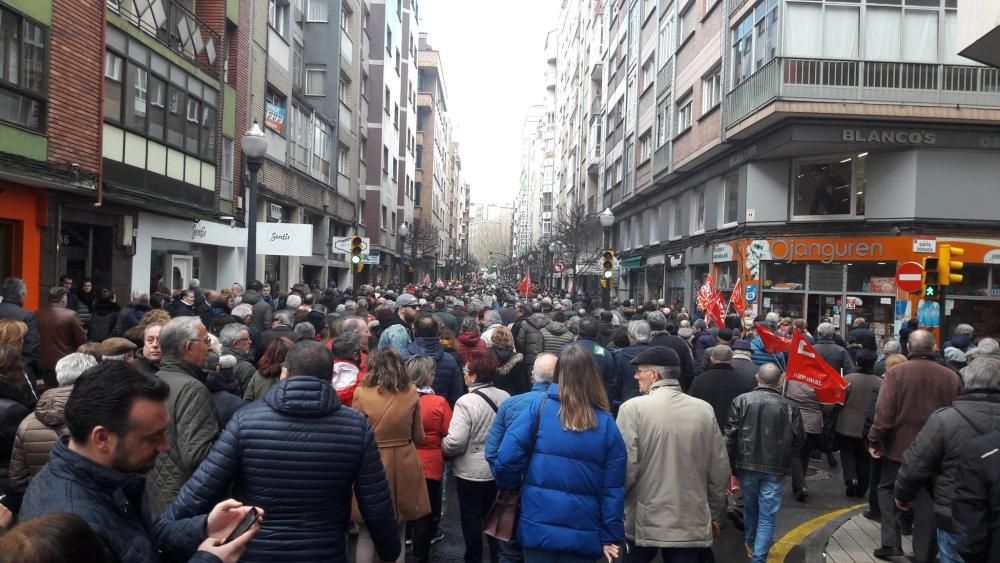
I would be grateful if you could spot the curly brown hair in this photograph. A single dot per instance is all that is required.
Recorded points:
(386, 371)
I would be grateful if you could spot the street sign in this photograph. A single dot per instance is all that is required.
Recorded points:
(909, 276)
(343, 244)
(751, 293)
(373, 257)
(558, 267)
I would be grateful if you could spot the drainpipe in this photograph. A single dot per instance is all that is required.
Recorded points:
(100, 114)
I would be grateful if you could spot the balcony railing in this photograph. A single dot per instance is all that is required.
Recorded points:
(345, 117)
(736, 5)
(176, 27)
(863, 81)
(665, 76)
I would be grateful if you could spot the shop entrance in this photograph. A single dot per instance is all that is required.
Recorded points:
(181, 268)
(819, 307)
(77, 256)
(8, 239)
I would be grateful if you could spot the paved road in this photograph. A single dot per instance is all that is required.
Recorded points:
(826, 493)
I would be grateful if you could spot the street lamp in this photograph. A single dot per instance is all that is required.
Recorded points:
(404, 231)
(254, 145)
(607, 219)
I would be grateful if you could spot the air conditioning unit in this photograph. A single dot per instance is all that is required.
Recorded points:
(239, 202)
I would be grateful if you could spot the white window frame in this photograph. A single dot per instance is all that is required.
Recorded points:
(321, 14)
(646, 146)
(647, 75)
(665, 45)
(682, 13)
(852, 215)
(711, 90)
(724, 199)
(683, 114)
(312, 88)
(277, 17)
(343, 160)
(228, 155)
(345, 18)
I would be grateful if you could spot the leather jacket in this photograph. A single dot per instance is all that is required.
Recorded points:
(763, 431)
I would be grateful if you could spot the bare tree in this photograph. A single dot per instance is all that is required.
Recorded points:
(424, 238)
(579, 235)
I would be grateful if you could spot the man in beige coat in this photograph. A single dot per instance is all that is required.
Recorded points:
(678, 468)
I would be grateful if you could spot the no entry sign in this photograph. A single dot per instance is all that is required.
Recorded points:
(909, 276)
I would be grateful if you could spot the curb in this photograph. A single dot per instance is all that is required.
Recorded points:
(813, 548)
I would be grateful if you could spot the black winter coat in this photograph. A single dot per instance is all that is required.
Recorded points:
(301, 456)
(111, 503)
(763, 430)
(448, 381)
(933, 456)
(718, 387)
(975, 507)
(628, 387)
(677, 344)
(31, 349)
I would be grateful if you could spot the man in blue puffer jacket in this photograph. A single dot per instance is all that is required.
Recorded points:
(300, 456)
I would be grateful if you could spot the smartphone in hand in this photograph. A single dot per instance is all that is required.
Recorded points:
(245, 524)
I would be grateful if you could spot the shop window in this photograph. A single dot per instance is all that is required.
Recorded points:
(23, 47)
(871, 277)
(785, 304)
(784, 276)
(975, 281)
(726, 275)
(826, 277)
(830, 186)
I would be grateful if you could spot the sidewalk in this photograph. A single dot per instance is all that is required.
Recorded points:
(856, 539)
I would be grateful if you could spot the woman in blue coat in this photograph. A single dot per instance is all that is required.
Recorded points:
(573, 482)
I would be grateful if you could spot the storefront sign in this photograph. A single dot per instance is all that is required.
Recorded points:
(276, 211)
(655, 260)
(826, 252)
(274, 117)
(198, 231)
(743, 155)
(722, 253)
(751, 295)
(284, 239)
(992, 257)
(889, 136)
(675, 260)
(925, 245)
(878, 284)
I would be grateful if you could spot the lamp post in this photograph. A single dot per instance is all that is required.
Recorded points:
(254, 145)
(404, 231)
(607, 219)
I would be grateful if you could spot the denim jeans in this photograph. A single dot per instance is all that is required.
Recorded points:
(948, 547)
(509, 552)
(762, 500)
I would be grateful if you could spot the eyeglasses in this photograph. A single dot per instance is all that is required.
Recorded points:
(206, 341)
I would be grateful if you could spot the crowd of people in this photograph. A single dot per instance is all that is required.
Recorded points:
(243, 425)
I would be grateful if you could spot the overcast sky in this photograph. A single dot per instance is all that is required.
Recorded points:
(493, 55)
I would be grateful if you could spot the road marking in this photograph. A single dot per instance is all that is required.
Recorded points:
(782, 547)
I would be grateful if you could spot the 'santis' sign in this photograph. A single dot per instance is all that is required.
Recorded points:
(284, 239)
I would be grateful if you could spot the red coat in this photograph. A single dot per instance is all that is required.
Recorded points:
(468, 342)
(436, 417)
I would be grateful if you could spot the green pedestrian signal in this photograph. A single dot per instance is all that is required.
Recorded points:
(930, 292)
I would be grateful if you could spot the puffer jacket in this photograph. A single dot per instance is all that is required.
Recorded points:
(555, 335)
(529, 339)
(933, 457)
(299, 455)
(36, 435)
(448, 381)
(573, 492)
(511, 375)
(763, 431)
(111, 504)
(470, 426)
(761, 356)
(193, 427)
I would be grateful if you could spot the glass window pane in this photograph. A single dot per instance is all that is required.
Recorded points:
(226, 189)
(726, 275)
(826, 277)
(786, 305)
(208, 118)
(882, 33)
(823, 187)
(10, 39)
(920, 36)
(871, 277)
(731, 197)
(840, 32)
(157, 98)
(112, 87)
(807, 21)
(176, 107)
(974, 281)
(22, 110)
(193, 124)
(784, 276)
(34, 57)
(137, 81)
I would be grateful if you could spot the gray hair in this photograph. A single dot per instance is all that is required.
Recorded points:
(638, 331)
(656, 320)
(721, 353)
(543, 376)
(892, 347)
(72, 366)
(347, 343)
(921, 341)
(769, 375)
(14, 290)
(964, 330)
(772, 317)
(825, 330)
(982, 375)
(989, 346)
(284, 317)
(573, 324)
(140, 295)
(176, 334)
(242, 310)
(306, 330)
(195, 283)
(350, 307)
(492, 317)
(231, 333)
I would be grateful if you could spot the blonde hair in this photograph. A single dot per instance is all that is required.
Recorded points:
(421, 370)
(581, 391)
(386, 371)
(12, 332)
(892, 360)
(502, 338)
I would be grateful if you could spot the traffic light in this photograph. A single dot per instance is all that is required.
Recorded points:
(356, 259)
(946, 265)
(607, 267)
(930, 289)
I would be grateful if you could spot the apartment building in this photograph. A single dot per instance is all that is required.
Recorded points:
(489, 233)
(533, 205)
(807, 148)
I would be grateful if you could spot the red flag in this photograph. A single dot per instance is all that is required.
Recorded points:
(525, 286)
(426, 280)
(706, 293)
(715, 310)
(439, 284)
(807, 366)
(772, 342)
(737, 300)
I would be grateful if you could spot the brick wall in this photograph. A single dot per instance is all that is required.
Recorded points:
(76, 59)
(696, 58)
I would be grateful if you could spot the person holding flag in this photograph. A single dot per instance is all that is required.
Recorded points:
(767, 345)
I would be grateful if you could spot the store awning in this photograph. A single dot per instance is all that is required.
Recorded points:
(632, 262)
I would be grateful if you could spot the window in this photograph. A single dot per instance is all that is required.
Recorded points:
(157, 98)
(709, 4)
(684, 114)
(666, 41)
(711, 90)
(385, 160)
(645, 147)
(345, 19)
(395, 169)
(698, 210)
(112, 85)
(322, 134)
(830, 186)
(383, 218)
(686, 23)
(226, 188)
(344, 91)
(192, 126)
(663, 122)
(315, 81)
(176, 105)
(301, 137)
(388, 41)
(398, 59)
(274, 107)
(730, 197)
(206, 148)
(317, 11)
(343, 162)
(832, 32)
(23, 86)
(395, 116)
(675, 225)
(648, 76)
(387, 96)
(277, 16)
(298, 67)
(392, 225)
(909, 34)
(755, 40)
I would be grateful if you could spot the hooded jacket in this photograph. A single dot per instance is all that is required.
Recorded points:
(299, 455)
(529, 339)
(511, 376)
(346, 377)
(111, 502)
(448, 381)
(468, 342)
(36, 435)
(555, 335)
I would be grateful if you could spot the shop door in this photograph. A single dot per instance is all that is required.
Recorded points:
(819, 307)
(7, 241)
(181, 268)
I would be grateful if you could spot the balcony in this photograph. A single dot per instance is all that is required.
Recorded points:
(862, 81)
(345, 117)
(176, 27)
(665, 77)
(596, 105)
(343, 185)
(346, 49)
(661, 160)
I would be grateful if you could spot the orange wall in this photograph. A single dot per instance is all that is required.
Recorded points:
(27, 207)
